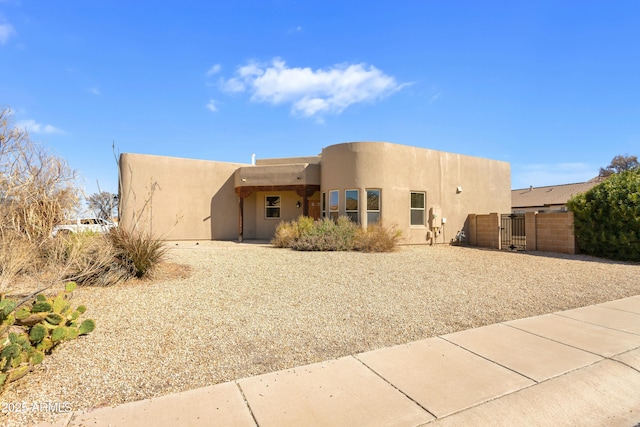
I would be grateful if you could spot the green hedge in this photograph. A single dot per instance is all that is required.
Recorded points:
(607, 218)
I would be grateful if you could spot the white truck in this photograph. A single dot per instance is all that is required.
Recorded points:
(79, 225)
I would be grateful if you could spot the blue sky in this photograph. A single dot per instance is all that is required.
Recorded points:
(550, 86)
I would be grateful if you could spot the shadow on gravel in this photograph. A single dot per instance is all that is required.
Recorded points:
(576, 257)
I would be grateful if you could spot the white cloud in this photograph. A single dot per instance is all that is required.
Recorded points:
(35, 127)
(6, 31)
(214, 70)
(311, 92)
(540, 175)
(232, 85)
(95, 91)
(211, 105)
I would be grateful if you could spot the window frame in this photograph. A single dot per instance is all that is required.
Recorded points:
(334, 213)
(422, 209)
(355, 211)
(378, 211)
(267, 206)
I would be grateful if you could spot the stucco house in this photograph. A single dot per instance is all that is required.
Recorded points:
(427, 194)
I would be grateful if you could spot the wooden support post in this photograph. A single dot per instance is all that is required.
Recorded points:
(240, 218)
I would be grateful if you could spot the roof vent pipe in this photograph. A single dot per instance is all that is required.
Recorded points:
(253, 160)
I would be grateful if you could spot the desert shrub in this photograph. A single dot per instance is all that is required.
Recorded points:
(37, 191)
(378, 237)
(289, 231)
(37, 188)
(607, 217)
(316, 238)
(86, 258)
(286, 232)
(327, 235)
(102, 259)
(17, 255)
(305, 234)
(138, 252)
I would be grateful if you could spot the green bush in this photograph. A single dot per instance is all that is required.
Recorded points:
(607, 217)
(136, 251)
(304, 234)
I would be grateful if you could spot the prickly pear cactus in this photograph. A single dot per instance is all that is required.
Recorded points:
(44, 324)
(37, 333)
(86, 327)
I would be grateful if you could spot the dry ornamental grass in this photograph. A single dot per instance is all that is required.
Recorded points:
(247, 309)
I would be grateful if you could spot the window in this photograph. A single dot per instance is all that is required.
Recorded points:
(373, 206)
(324, 204)
(333, 205)
(272, 207)
(351, 205)
(417, 208)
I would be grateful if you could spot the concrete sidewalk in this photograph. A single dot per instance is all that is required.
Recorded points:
(576, 367)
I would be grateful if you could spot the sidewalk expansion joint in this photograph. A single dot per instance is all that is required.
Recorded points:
(355, 356)
(624, 363)
(246, 402)
(559, 342)
(615, 308)
(598, 324)
(69, 418)
(489, 360)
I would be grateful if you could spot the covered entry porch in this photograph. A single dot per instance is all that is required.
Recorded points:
(270, 194)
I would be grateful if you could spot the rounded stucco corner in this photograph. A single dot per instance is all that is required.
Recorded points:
(351, 163)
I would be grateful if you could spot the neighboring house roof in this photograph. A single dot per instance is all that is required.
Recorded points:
(551, 195)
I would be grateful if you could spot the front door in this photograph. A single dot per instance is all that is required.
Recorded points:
(314, 208)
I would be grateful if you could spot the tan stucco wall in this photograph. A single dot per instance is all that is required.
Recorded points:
(266, 227)
(399, 169)
(178, 198)
(288, 160)
(291, 174)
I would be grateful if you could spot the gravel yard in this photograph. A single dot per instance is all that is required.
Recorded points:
(247, 309)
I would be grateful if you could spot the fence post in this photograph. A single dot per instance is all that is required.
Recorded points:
(473, 229)
(496, 241)
(571, 230)
(530, 231)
